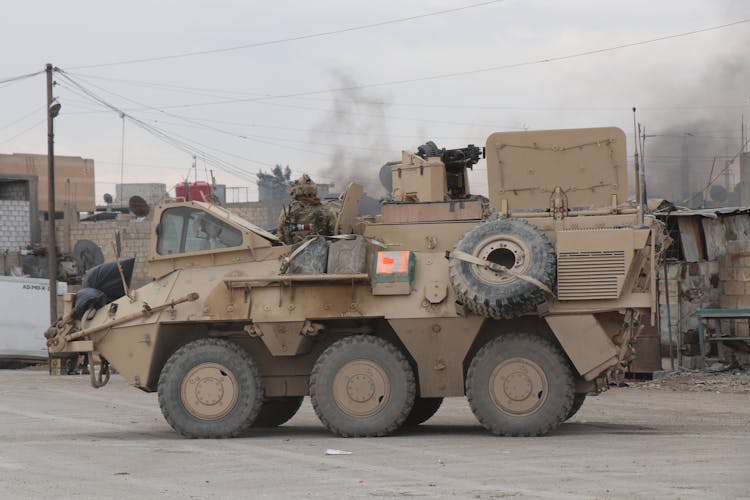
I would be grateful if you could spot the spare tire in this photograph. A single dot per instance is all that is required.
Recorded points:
(515, 244)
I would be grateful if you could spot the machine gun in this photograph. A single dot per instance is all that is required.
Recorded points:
(456, 162)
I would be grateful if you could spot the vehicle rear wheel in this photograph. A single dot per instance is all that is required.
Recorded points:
(277, 411)
(520, 385)
(362, 386)
(577, 403)
(210, 388)
(423, 410)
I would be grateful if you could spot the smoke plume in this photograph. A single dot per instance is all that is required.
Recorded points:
(689, 149)
(357, 117)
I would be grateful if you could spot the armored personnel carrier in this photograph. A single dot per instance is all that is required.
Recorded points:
(524, 302)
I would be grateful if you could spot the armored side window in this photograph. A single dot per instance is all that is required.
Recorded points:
(184, 230)
(171, 229)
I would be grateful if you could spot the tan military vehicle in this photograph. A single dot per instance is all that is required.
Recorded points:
(524, 302)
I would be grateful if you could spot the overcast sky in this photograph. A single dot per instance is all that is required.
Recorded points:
(698, 84)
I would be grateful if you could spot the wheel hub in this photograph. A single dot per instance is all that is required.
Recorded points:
(209, 391)
(506, 251)
(361, 388)
(518, 386)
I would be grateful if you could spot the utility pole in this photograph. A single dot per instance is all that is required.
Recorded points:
(122, 162)
(52, 110)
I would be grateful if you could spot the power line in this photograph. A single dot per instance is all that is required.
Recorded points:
(24, 131)
(716, 177)
(162, 109)
(288, 39)
(19, 77)
(255, 138)
(210, 92)
(10, 124)
(440, 76)
(164, 136)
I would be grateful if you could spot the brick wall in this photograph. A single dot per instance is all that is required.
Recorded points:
(264, 214)
(135, 236)
(14, 190)
(15, 230)
(735, 294)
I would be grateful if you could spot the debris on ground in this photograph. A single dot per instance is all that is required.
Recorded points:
(734, 381)
(331, 451)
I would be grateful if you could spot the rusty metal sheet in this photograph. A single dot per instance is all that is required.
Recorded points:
(691, 239)
(714, 232)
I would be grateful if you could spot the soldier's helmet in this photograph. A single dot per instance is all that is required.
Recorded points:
(304, 186)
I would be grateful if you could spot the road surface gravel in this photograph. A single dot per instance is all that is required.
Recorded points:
(60, 438)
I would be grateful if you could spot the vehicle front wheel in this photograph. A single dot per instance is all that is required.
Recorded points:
(520, 385)
(210, 388)
(362, 386)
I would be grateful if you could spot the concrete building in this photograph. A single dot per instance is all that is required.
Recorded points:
(153, 193)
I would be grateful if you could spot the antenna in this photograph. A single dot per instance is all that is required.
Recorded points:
(122, 161)
(643, 165)
(636, 162)
(639, 186)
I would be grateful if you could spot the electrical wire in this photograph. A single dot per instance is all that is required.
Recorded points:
(175, 142)
(212, 128)
(163, 108)
(208, 92)
(17, 78)
(279, 127)
(440, 76)
(10, 124)
(24, 131)
(716, 177)
(254, 138)
(289, 39)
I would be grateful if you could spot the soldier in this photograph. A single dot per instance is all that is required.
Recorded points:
(306, 214)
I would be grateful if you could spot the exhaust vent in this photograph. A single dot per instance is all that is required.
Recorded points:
(590, 275)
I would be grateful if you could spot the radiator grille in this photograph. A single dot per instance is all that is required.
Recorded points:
(589, 275)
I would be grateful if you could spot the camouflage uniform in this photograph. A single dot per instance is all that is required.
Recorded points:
(306, 215)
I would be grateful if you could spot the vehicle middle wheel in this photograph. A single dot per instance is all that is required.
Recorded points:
(362, 386)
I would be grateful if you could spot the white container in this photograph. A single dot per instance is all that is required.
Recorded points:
(24, 316)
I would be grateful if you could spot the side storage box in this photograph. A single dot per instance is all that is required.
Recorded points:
(393, 273)
(312, 260)
(347, 256)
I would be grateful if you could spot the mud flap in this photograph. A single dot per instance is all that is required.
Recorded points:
(585, 342)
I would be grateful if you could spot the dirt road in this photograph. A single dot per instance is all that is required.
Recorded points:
(60, 438)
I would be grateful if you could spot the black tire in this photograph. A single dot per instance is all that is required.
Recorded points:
(362, 386)
(515, 244)
(210, 388)
(423, 410)
(578, 400)
(520, 385)
(277, 411)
